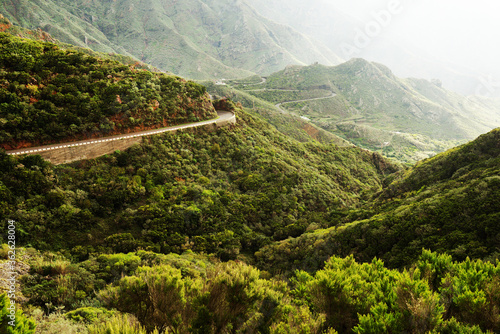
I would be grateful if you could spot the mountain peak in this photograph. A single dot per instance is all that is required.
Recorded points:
(363, 66)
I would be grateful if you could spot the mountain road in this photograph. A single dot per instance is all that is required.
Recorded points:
(223, 116)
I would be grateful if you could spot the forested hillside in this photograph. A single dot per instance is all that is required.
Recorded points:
(240, 193)
(226, 192)
(449, 203)
(49, 95)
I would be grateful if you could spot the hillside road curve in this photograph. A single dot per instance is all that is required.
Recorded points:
(223, 117)
(278, 105)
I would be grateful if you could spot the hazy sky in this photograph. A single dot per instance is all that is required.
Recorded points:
(465, 32)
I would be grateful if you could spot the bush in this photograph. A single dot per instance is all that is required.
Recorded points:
(120, 324)
(14, 322)
(88, 314)
(56, 323)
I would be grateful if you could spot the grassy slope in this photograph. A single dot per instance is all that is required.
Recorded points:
(40, 35)
(289, 125)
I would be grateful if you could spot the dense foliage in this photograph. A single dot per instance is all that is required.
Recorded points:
(449, 203)
(160, 238)
(155, 293)
(50, 95)
(12, 318)
(221, 192)
(249, 190)
(215, 192)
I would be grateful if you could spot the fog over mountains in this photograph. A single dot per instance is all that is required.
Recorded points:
(450, 41)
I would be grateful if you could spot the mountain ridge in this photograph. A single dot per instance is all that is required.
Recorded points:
(49, 94)
(405, 118)
(197, 40)
(446, 203)
(345, 35)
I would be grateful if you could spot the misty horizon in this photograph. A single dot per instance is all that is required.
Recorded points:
(454, 41)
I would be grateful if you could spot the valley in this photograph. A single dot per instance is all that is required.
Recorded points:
(339, 198)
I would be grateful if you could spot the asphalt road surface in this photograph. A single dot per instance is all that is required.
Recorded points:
(278, 105)
(223, 116)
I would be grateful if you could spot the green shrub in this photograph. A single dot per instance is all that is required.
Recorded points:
(56, 323)
(88, 314)
(120, 324)
(4, 251)
(12, 318)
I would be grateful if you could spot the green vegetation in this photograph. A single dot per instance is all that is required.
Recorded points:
(51, 95)
(221, 192)
(120, 324)
(246, 228)
(217, 193)
(290, 125)
(40, 35)
(12, 318)
(446, 204)
(278, 96)
(435, 294)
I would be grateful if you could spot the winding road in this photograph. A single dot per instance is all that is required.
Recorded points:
(278, 105)
(223, 117)
(272, 90)
(263, 81)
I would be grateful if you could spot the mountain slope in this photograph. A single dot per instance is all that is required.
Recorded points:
(408, 119)
(196, 39)
(340, 32)
(449, 203)
(49, 95)
(244, 192)
(377, 89)
(42, 36)
(290, 125)
(223, 192)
